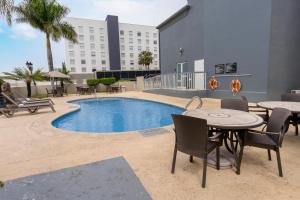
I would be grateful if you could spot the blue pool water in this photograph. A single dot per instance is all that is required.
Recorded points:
(117, 115)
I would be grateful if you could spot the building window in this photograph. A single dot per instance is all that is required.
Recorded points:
(81, 37)
(103, 62)
(139, 41)
(102, 46)
(139, 34)
(123, 55)
(72, 61)
(155, 62)
(123, 62)
(81, 45)
(83, 62)
(94, 69)
(155, 42)
(147, 34)
(155, 49)
(131, 55)
(101, 38)
(93, 62)
(73, 69)
(130, 33)
(83, 69)
(101, 30)
(147, 41)
(122, 40)
(82, 53)
(139, 48)
(155, 55)
(91, 30)
(122, 48)
(131, 48)
(93, 53)
(131, 62)
(92, 45)
(140, 68)
(92, 38)
(147, 48)
(131, 68)
(71, 46)
(155, 35)
(130, 40)
(103, 54)
(71, 53)
(80, 29)
(103, 68)
(121, 32)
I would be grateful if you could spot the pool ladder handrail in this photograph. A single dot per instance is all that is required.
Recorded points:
(192, 100)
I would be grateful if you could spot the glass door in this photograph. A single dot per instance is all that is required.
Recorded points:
(180, 77)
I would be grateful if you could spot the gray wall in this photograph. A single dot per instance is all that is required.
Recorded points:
(113, 42)
(177, 34)
(238, 31)
(284, 66)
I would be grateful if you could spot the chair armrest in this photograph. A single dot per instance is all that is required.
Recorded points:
(263, 132)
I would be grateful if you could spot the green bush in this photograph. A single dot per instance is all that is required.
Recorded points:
(92, 82)
(108, 81)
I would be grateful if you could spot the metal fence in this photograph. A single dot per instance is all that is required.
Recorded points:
(181, 81)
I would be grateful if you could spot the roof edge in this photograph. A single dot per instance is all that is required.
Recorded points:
(179, 12)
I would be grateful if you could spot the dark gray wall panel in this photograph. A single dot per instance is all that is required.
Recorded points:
(186, 32)
(238, 31)
(284, 66)
(113, 42)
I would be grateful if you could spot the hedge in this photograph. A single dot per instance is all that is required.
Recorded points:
(108, 81)
(92, 82)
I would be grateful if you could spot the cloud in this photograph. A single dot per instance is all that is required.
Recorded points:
(23, 31)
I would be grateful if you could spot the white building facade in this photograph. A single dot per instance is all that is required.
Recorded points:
(109, 45)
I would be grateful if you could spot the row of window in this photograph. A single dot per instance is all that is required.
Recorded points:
(139, 48)
(84, 69)
(123, 62)
(92, 38)
(83, 62)
(91, 30)
(139, 41)
(82, 46)
(138, 33)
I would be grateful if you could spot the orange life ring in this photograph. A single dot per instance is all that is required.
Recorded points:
(235, 86)
(213, 83)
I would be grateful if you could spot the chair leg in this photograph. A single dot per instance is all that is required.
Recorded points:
(279, 162)
(174, 159)
(269, 154)
(240, 159)
(191, 159)
(204, 171)
(218, 157)
(296, 126)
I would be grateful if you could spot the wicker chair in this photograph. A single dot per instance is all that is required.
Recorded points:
(295, 119)
(271, 139)
(263, 113)
(192, 139)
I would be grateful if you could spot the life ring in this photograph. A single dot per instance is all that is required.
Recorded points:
(213, 83)
(235, 86)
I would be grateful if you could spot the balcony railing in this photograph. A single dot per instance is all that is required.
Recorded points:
(179, 81)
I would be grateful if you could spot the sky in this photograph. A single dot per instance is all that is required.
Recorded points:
(20, 42)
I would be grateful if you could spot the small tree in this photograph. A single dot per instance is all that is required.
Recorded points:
(145, 59)
(6, 9)
(65, 71)
(25, 75)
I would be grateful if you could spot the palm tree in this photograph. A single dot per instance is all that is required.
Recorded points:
(26, 75)
(6, 9)
(145, 59)
(47, 16)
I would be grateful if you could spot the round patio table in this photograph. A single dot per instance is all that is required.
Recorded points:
(226, 119)
(294, 107)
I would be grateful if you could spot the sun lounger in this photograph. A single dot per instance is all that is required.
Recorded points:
(31, 107)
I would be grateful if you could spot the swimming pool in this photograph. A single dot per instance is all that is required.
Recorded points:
(117, 115)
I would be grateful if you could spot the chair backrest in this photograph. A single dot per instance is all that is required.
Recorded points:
(234, 104)
(191, 134)
(278, 122)
(11, 100)
(290, 97)
(191, 101)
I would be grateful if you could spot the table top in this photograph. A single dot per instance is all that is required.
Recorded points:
(292, 106)
(227, 118)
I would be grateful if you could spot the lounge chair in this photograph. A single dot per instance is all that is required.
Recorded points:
(295, 120)
(31, 107)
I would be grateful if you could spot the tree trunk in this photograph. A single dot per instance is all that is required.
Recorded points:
(49, 57)
(28, 84)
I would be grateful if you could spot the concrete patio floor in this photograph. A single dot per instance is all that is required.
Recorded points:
(30, 145)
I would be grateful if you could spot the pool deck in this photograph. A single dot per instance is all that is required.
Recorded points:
(30, 145)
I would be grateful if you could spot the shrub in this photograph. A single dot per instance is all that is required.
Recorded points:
(92, 82)
(108, 81)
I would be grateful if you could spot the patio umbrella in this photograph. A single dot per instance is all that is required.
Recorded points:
(56, 74)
